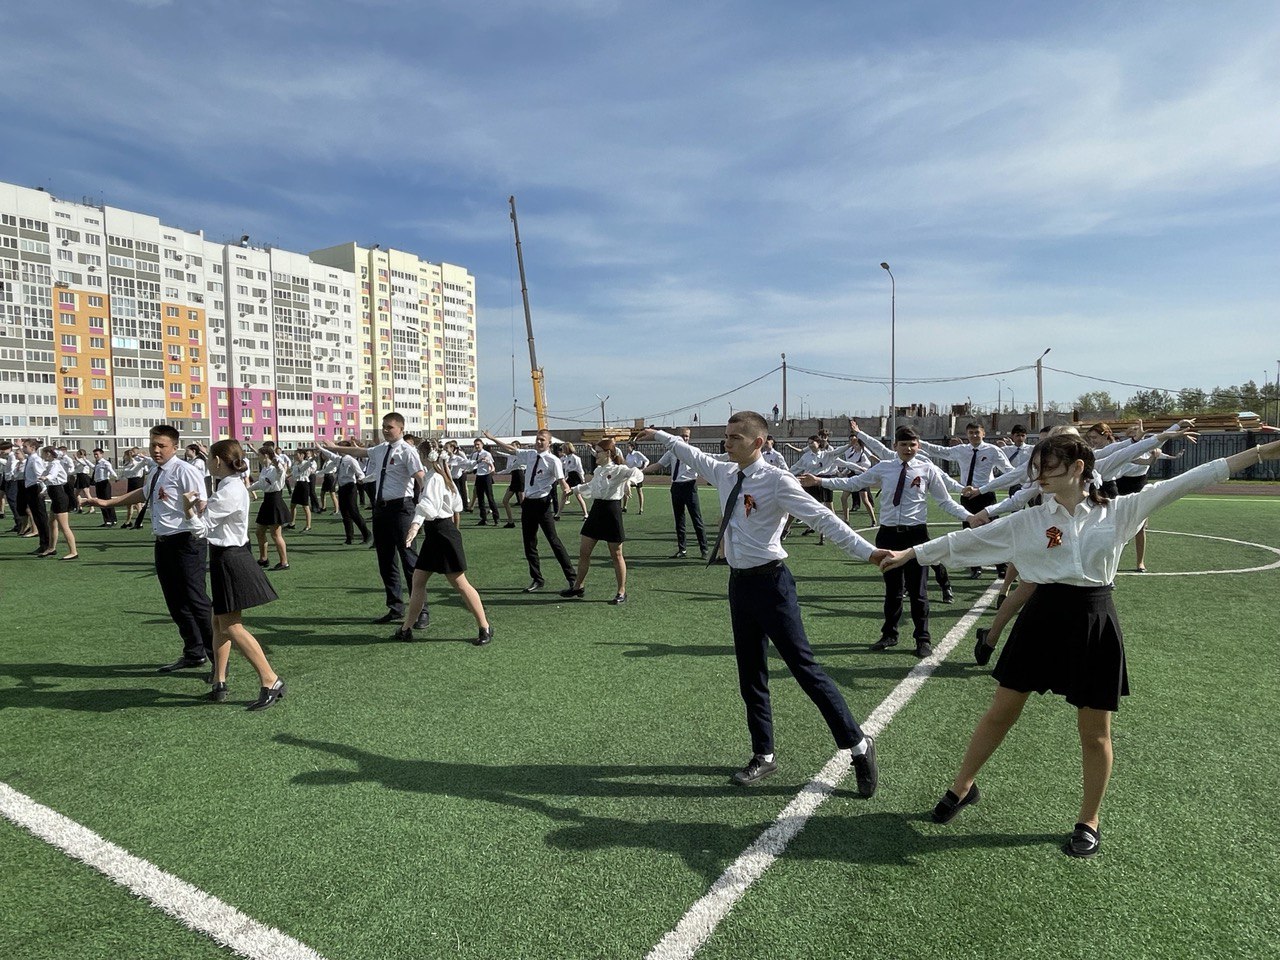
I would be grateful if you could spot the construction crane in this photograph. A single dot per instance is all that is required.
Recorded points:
(539, 387)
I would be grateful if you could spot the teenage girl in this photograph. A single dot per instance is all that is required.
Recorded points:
(237, 582)
(1067, 638)
(573, 472)
(272, 515)
(54, 476)
(134, 468)
(441, 550)
(303, 471)
(515, 487)
(612, 477)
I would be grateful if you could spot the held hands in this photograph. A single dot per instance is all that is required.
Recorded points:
(879, 555)
(895, 558)
(809, 480)
(979, 519)
(970, 492)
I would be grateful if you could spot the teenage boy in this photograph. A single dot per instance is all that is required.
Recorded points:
(396, 471)
(103, 474)
(977, 461)
(684, 498)
(543, 471)
(181, 554)
(755, 500)
(909, 481)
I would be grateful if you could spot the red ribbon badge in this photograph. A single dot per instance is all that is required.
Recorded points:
(748, 504)
(1055, 537)
(915, 481)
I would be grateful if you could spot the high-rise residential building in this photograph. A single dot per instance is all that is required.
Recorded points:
(111, 321)
(417, 330)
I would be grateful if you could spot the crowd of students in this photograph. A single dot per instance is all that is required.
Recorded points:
(1069, 517)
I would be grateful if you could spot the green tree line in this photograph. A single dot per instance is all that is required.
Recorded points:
(1190, 401)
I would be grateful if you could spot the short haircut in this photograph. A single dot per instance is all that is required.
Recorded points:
(543, 433)
(1019, 428)
(229, 452)
(168, 432)
(974, 426)
(754, 424)
(395, 418)
(6, 444)
(814, 438)
(95, 449)
(905, 433)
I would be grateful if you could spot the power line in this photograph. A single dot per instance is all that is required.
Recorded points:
(885, 381)
(1144, 386)
(666, 413)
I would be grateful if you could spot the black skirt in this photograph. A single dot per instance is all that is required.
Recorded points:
(441, 550)
(574, 478)
(272, 512)
(517, 480)
(1067, 640)
(83, 481)
(301, 493)
(237, 580)
(59, 501)
(604, 522)
(133, 483)
(327, 485)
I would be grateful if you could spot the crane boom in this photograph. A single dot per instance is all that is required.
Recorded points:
(539, 388)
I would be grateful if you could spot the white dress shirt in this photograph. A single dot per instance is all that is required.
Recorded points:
(482, 463)
(402, 462)
(54, 473)
(609, 482)
(225, 520)
(163, 497)
(572, 464)
(637, 459)
(137, 467)
(437, 501)
(768, 495)
(32, 469)
(346, 467)
(774, 459)
(976, 463)
(270, 480)
(302, 470)
(923, 480)
(84, 465)
(549, 471)
(1051, 544)
(103, 470)
(685, 472)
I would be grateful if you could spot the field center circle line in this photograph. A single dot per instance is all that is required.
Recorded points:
(1205, 573)
(187, 904)
(684, 940)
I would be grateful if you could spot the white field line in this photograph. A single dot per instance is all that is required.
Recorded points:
(194, 908)
(701, 920)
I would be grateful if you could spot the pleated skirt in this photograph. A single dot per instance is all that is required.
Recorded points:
(236, 580)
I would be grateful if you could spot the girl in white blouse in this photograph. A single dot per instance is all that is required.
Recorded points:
(237, 582)
(1067, 639)
(272, 515)
(441, 551)
(573, 472)
(612, 478)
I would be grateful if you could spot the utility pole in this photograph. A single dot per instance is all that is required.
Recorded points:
(784, 385)
(1040, 388)
(604, 424)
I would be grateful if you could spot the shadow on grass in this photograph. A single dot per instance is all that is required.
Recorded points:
(36, 692)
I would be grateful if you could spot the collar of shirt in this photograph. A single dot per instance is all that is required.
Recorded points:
(164, 495)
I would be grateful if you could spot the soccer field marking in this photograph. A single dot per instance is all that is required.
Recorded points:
(194, 908)
(701, 919)
(1206, 573)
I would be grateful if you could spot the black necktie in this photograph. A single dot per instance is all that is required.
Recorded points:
(150, 497)
(675, 468)
(386, 459)
(972, 463)
(724, 520)
(533, 472)
(902, 482)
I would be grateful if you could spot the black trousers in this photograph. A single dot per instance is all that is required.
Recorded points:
(763, 607)
(39, 515)
(973, 505)
(914, 576)
(684, 496)
(181, 561)
(391, 522)
(535, 514)
(314, 495)
(102, 490)
(11, 494)
(461, 484)
(484, 491)
(351, 515)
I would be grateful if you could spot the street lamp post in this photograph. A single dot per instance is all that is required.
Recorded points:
(604, 424)
(893, 336)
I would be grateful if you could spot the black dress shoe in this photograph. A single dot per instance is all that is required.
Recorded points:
(534, 587)
(573, 591)
(403, 634)
(389, 617)
(483, 637)
(884, 643)
(946, 809)
(757, 769)
(264, 563)
(982, 650)
(679, 555)
(268, 695)
(183, 663)
(866, 771)
(620, 598)
(218, 694)
(1083, 842)
(924, 649)
(281, 566)
(948, 595)
(423, 621)
(975, 573)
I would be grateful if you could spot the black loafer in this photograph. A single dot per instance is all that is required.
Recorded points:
(534, 587)
(975, 573)
(423, 621)
(757, 769)
(218, 694)
(268, 695)
(866, 771)
(884, 643)
(1083, 842)
(946, 809)
(948, 595)
(389, 617)
(620, 598)
(573, 591)
(483, 637)
(982, 650)
(183, 663)
(402, 634)
(924, 649)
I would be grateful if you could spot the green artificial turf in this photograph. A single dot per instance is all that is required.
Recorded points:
(564, 793)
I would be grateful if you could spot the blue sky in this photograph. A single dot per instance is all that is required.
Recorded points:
(704, 186)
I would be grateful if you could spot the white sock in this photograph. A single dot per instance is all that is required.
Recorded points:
(767, 757)
(859, 749)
